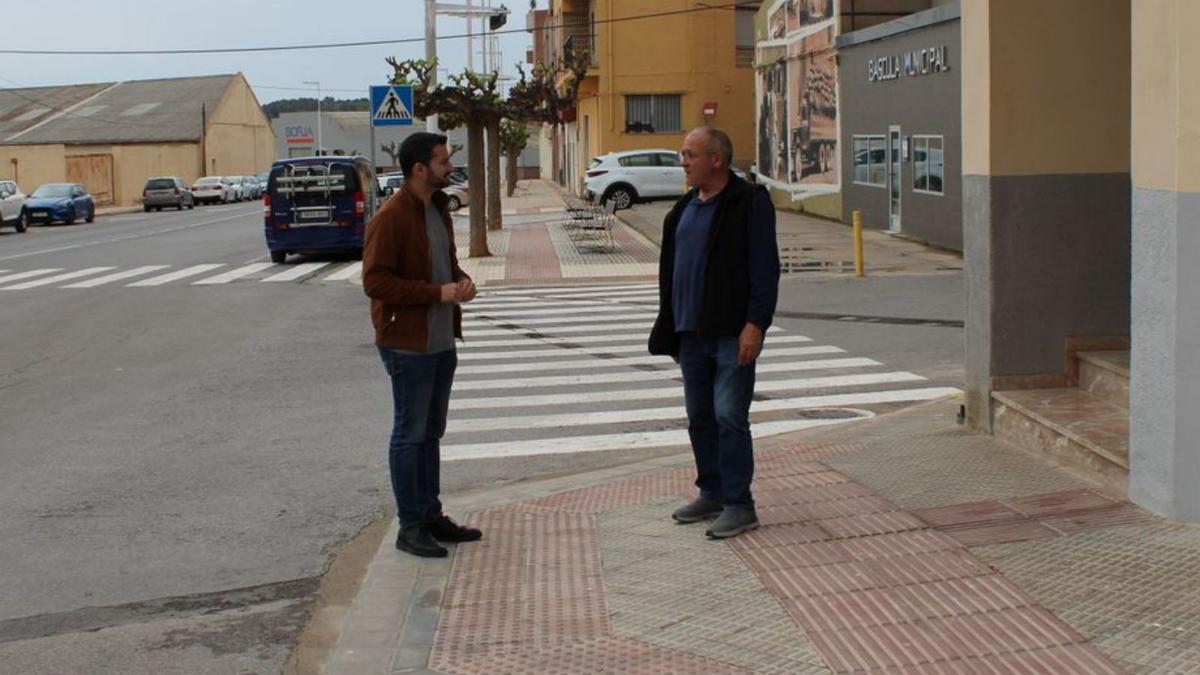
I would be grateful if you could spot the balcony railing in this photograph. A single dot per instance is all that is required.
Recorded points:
(581, 42)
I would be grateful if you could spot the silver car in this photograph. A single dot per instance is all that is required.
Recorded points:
(167, 191)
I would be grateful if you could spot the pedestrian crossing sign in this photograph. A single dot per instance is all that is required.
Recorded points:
(391, 105)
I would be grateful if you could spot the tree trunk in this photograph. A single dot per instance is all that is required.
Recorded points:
(512, 172)
(493, 173)
(479, 242)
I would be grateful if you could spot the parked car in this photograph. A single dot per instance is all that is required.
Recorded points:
(250, 187)
(388, 185)
(236, 188)
(459, 174)
(65, 202)
(318, 203)
(459, 195)
(12, 206)
(212, 190)
(167, 191)
(633, 175)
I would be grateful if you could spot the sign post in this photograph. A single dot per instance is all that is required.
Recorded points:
(391, 106)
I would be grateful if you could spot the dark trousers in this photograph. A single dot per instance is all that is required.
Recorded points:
(718, 393)
(421, 395)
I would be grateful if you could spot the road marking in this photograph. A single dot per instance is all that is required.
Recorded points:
(176, 275)
(674, 391)
(550, 337)
(598, 308)
(492, 295)
(117, 276)
(296, 272)
(593, 362)
(46, 281)
(346, 273)
(113, 240)
(571, 347)
(233, 274)
(668, 373)
(481, 304)
(571, 289)
(626, 441)
(579, 419)
(31, 273)
(590, 319)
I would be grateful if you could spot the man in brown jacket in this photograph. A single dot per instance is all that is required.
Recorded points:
(411, 273)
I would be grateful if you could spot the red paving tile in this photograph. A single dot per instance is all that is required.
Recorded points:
(779, 535)
(531, 254)
(1000, 533)
(1120, 514)
(873, 523)
(963, 514)
(1059, 503)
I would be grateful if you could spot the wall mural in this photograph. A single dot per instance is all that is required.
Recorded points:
(797, 96)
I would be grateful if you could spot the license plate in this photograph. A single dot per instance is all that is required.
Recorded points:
(39, 214)
(321, 215)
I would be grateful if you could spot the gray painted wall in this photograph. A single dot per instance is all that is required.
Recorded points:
(926, 104)
(1164, 440)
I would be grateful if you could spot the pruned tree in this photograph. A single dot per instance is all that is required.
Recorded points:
(514, 137)
(392, 149)
(468, 99)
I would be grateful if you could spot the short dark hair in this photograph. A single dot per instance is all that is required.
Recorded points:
(418, 149)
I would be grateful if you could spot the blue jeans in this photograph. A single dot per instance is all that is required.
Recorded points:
(421, 395)
(718, 393)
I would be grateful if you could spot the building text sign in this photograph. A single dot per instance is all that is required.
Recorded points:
(910, 64)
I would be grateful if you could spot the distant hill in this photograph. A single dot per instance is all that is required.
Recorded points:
(274, 108)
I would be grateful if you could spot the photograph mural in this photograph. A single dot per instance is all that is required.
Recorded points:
(797, 90)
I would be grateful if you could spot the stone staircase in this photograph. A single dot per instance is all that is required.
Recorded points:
(1083, 426)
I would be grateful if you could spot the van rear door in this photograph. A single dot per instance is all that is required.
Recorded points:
(313, 194)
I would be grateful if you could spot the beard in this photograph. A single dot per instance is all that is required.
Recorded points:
(438, 182)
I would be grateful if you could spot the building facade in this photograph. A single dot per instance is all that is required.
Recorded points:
(651, 80)
(901, 118)
(111, 137)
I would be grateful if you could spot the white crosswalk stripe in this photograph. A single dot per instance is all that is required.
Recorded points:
(116, 276)
(57, 278)
(193, 271)
(297, 272)
(565, 370)
(347, 272)
(17, 276)
(234, 274)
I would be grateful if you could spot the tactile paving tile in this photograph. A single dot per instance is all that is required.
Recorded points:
(918, 469)
(639, 490)
(1135, 590)
(695, 599)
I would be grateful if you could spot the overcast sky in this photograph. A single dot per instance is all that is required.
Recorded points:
(184, 24)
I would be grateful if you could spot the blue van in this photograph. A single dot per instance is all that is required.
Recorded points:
(318, 203)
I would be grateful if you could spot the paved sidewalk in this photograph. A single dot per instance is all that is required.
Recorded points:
(901, 544)
(533, 248)
(815, 246)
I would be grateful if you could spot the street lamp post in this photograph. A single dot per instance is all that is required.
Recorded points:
(318, 86)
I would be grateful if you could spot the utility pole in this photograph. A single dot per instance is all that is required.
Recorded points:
(431, 123)
(318, 85)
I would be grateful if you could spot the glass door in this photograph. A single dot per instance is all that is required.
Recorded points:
(894, 164)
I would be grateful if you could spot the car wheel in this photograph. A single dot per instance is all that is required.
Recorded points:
(191, 205)
(91, 217)
(622, 195)
(70, 217)
(278, 257)
(22, 222)
(146, 209)
(455, 203)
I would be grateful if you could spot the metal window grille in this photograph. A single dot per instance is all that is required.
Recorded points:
(653, 113)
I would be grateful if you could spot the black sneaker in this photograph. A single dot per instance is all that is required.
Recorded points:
(732, 522)
(700, 509)
(416, 540)
(444, 529)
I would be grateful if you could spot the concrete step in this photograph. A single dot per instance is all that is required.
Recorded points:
(1105, 374)
(1086, 432)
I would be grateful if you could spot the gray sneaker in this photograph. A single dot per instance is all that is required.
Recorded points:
(732, 522)
(701, 508)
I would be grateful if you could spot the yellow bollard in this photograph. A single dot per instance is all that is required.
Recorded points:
(859, 269)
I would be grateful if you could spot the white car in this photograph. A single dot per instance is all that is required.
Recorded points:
(213, 190)
(633, 175)
(12, 206)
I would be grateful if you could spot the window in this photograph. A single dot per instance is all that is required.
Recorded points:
(653, 113)
(637, 160)
(667, 159)
(929, 164)
(870, 160)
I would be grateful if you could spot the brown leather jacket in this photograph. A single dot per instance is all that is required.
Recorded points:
(397, 271)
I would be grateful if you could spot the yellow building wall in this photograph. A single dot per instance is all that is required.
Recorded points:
(239, 140)
(133, 164)
(691, 54)
(36, 164)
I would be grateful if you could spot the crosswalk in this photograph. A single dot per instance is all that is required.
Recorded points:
(560, 370)
(204, 274)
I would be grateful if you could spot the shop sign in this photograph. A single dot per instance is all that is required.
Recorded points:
(910, 64)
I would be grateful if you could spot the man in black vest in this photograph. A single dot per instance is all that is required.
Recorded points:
(718, 280)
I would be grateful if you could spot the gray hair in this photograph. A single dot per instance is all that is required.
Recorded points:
(718, 141)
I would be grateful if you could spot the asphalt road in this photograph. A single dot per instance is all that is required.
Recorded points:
(178, 462)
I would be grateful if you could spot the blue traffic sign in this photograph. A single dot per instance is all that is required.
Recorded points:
(391, 105)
